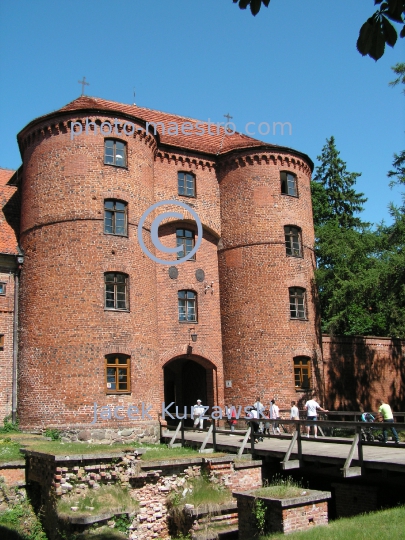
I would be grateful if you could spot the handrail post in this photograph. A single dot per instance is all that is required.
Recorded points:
(360, 449)
(182, 432)
(252, 438)
(299, 443)
(214, 436)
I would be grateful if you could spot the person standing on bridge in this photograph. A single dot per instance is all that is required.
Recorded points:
(294, 414)
(275, 416)
(198, 413)
(311, 407)
(387, 416)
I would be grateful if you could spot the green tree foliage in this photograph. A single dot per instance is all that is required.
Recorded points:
(346, 249)
(375, 32)
(334, 196)
(361, 271)
(378, 30)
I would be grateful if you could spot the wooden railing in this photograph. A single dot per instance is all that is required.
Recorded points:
(296, 438)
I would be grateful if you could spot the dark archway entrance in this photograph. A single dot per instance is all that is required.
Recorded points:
(185, 381)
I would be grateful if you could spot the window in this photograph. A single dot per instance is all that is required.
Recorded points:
(293, 241)
(297, 303)
(288, 184)
(302, 372)
(115, 153)
(186, 239)
(118, 374)
(1, 342)
(115, 217)
(186, 184)
(2, 288)
(116, 296)
(187, 306)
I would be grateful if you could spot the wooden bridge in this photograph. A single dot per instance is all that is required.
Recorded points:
(352, 456)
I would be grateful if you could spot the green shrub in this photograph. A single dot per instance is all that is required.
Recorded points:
(54, 434)
(9, 426)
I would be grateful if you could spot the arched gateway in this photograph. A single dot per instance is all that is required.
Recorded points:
(186, 379)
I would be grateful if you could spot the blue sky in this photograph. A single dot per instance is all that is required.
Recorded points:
(294, 62)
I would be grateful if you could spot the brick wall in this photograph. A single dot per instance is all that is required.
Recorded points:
(354, 499)
(150, 482)
(359, 370)
(6, 352)
(282, 515)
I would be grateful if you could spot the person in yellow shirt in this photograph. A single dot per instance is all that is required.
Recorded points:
(387, 416)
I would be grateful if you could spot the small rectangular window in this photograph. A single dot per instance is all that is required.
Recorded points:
(118, 374)
(293, 241)
(2, 288)
(116, 294)
(1, 342)
(186, 184)
(187, 303)
(302, 372)
(186, 240)
(115, 153)
(288, 184)
(297, 303)
(115, 217)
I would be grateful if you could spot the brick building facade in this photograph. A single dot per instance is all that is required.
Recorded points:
(101, 322)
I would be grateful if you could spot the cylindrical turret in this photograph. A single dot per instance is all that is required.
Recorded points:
(270, 341)
(88, 320)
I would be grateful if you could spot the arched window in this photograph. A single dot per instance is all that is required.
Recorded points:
(186, 184)
(115, 217)
(293, 245)
(302, 372)
(118, 373)
(187, 304)
(186, 239)
(116, 291)
(115, 153)
(297, 303)
(288, 184)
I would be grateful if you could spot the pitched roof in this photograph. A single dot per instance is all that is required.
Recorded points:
(213, 143)
(9, 214)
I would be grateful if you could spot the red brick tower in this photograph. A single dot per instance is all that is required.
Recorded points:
(271, 347)
(66, 327)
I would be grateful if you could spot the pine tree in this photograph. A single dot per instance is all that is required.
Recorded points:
(334, 198)
(346, 272)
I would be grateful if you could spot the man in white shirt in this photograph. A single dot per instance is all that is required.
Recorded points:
(260, 410)
(275, 415)
(198, 412)
(311, 407)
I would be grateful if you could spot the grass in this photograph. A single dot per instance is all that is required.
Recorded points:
(383, 525)
(162, 452)
(282, 488)
(11, 443)
(9, 450)
(23, 522)
(107, 498)
(280, 492)
(200, 491)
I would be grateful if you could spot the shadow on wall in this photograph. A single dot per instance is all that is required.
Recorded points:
(317, 354)
(361, 369)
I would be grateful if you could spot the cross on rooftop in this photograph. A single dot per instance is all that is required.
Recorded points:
(228, 116)
(83, 83)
